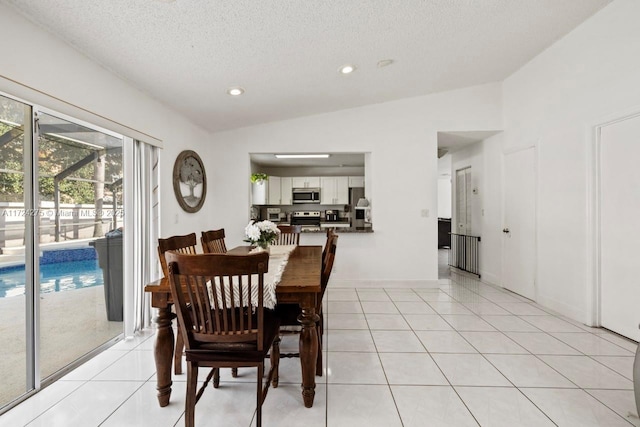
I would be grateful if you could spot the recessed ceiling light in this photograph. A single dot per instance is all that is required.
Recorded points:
(302, 156)
(235, 91)
(347, 69)
(384, 62)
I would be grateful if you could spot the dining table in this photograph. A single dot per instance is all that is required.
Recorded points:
(299, 284)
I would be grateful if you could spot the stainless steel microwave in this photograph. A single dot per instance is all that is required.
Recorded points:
(306, 195)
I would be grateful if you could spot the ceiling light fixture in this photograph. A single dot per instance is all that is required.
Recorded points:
(384, 62)
(235, 91)
(347, 69)
(302, 156)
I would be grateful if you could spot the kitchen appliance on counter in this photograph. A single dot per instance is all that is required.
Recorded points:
(331, 216)
(273, 214)
(309, 220)
(306, 195)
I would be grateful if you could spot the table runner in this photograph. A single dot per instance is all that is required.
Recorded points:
(278, 258)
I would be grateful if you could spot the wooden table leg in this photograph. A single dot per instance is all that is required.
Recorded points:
(164, 354)
(308, 352)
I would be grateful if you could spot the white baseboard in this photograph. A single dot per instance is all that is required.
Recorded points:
(562, 308)
(377, 284)
(490, 278)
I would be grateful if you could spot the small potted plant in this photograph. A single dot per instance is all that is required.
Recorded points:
(258, 178)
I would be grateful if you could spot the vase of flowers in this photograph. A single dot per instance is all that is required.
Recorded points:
(261, 234)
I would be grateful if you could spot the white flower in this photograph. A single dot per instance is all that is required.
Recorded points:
(267, 226)
(264, 232)
(252, 231)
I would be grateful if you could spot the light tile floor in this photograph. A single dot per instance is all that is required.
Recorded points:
(462, 354)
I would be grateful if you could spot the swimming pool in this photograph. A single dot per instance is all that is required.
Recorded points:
(54, 277)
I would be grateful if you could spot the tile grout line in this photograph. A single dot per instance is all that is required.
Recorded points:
(436, 363)
(384, 372)
(580, 355)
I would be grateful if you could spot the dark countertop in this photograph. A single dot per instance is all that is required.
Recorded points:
(354, 230)
(338, 230)
(341, 230)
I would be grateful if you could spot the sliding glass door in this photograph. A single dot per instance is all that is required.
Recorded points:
(15, 327)
(61, 244)
(80, 200)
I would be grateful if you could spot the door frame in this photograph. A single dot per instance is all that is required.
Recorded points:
(594, 290)
(536, 154)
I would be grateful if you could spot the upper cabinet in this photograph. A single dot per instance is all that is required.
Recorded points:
(259, 193)
(279, 191)
(334, 190)
(273, 191)
(285, 190)
(356, 181)
(305, 182)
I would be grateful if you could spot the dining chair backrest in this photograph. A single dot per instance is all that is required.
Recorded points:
(289, 235)
(328, 265)
(182, 244)
(330, 235)
(213, 296)
(213, 242)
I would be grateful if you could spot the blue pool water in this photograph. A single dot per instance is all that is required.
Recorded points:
(54, 277)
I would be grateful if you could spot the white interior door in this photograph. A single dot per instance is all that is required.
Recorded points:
(519, 231)
(620, 227)
(463, 201)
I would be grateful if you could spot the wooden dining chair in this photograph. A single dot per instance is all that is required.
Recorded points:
(185, 245)
(221, 324)
(213, 242)
(330, 234)
(289, 235)
(288, 313)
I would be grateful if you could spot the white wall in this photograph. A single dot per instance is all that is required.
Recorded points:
(401, 174)
(37, 67)
(553, 102)
(492, 207)
(444, 186)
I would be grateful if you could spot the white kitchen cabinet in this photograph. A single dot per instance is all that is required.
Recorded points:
(259, 193)
(285, 190)
(278, 191)
(356, 181)
(334, 190)
(305, 182)
(273, 190)
(342, 190)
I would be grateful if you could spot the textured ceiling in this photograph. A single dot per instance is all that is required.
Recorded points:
(286, 53)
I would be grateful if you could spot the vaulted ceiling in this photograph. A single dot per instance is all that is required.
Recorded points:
(286, 53)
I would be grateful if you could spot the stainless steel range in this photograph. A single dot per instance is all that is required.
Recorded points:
(309, 220)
